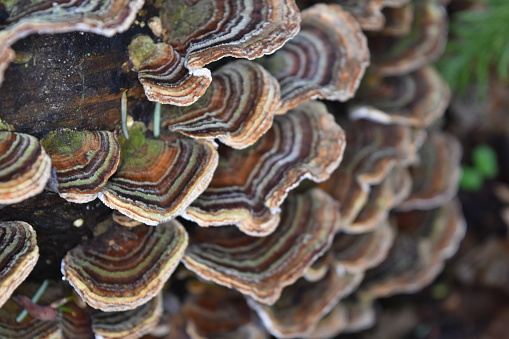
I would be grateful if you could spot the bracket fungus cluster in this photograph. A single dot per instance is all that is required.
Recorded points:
(123, 268)
(237, 108)
(158, 178)
(196, 34)
(262, 266)
(318, 208)
(249, 185)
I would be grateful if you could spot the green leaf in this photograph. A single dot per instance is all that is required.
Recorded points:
(485, 162)
(471, 179)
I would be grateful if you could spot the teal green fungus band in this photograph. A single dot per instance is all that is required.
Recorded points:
(83, 160)
(237, 108)
(18, 255)
(249, 185)
(157, 179)
(326, 59)
(124, 268)
(262, 267)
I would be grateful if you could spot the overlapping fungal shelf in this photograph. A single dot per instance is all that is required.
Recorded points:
(326, 59)
(157, 179)
(237, 108)
(415, 99)
(262, 267)
(128, 324)
(123, 268)
(24, 167)
(162, 72)
(367, 12)
(83, 161)
(18, 255)
(292, 224)
(424, 43)
(250, 185)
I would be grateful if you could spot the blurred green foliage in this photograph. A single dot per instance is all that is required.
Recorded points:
(478, 44)
(484, 166)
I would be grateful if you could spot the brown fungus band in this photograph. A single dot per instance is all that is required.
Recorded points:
(24, 167)
(425, 239)
(105, 17)
(75, 323)
(398, 20)
(84, 161)
(208, 30)
(358, 252)
(218, 312)
(237, 108)
(161, 71)
(130, 324)
(303, 304)
(373, 149)
(436, 176)
(18, 255)
(28, 328)
(124, 268)
(157, 179)
(249, 185)
(426, 41)
(262, 267)
(366, 12)
(381, 199)
(349, 315)
(327, 59)
(414, 99)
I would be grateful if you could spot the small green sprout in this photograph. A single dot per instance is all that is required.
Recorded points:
(485, 161)
(485, 166)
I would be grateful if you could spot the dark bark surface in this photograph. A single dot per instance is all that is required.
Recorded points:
(72, 80)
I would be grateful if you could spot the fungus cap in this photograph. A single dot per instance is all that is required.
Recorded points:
(124, 268)
(83, 160)
(18, 255)
(158, 178)
(237, 108)
(262, 267)
(249, 185)
(25, 167)
(327, 59)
